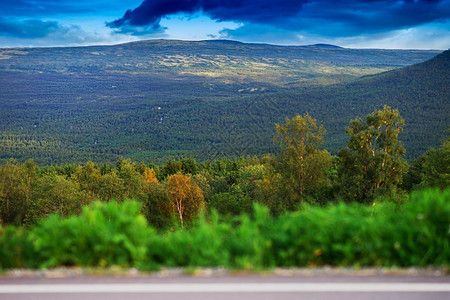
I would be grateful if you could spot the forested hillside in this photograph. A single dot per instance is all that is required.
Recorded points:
(160, 99)
(421, 92)
(370, 166)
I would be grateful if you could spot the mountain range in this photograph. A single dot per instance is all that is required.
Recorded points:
(159, 99)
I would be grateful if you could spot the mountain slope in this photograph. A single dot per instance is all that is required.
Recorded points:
(158, 99)
(421, 92)
(219, 61)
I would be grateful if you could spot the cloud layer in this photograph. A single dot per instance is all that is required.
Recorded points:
(353, 23)
(60, 7)
(27, 28)
(324, 17)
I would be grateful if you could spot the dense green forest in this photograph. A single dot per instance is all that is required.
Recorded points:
(300, 207)
(161, 100)
(372, 165)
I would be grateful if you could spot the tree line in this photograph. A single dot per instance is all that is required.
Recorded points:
(371, 166)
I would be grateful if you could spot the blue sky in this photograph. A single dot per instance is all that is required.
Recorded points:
(406, 24)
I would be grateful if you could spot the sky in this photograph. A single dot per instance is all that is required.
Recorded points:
(389, 24)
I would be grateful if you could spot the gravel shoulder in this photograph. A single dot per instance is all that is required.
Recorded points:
(222, 272)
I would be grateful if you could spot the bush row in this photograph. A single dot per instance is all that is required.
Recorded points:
(413, 234)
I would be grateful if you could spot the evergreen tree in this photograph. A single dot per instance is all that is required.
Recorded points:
(436, 167)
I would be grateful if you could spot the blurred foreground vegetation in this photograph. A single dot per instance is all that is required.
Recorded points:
(107, 234)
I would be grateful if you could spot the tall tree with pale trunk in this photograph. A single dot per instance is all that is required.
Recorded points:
(186, 197)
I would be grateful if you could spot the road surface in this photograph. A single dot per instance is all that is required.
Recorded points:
(249, 287)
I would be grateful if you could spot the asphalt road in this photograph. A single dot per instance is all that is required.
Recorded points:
(228, 287)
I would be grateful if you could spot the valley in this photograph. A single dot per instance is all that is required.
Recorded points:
(161, 99)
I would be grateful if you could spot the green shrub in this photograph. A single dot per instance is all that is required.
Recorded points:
(211, 243)
(104, 234)
(249, 244)
(416, 233)
(430, 215)
(16, 249)
(202, 245)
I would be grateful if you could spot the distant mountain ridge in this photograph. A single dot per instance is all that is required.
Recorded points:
(223, 60)
(324, 46)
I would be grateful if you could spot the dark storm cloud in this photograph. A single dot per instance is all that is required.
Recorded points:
(345, 18)
(259, 11)
(326, 17)
(28, 28)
